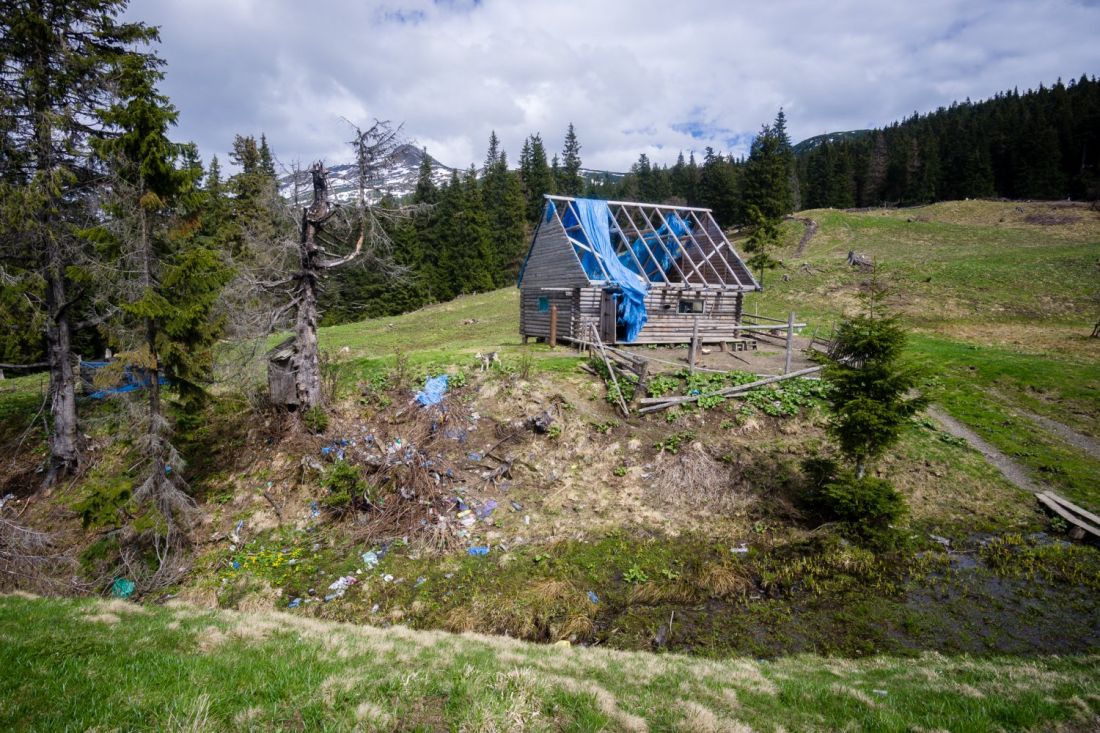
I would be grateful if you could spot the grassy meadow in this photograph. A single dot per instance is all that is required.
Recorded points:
(662, 602)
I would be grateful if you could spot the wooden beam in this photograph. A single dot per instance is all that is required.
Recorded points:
(1050, 502)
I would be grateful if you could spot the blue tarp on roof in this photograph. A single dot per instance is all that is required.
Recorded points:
(594, 216)
(659, 262)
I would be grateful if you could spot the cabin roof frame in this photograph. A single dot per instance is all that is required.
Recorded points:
(706, 259)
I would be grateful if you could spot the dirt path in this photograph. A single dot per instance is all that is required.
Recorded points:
(1010, 469)
(1088, 445)
(807, 235)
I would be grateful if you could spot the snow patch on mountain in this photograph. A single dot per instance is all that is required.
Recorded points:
(398, 179)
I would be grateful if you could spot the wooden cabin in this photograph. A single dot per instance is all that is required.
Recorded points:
(637, 273)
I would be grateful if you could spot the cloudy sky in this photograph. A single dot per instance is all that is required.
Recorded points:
(652, 76)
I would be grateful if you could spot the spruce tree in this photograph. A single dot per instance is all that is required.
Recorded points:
(169, 283)
(717, 189)
(59, 60)
(536, 176)
(873, 395)
(571, 183)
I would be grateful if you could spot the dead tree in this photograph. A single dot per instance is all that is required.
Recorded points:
(322, 248)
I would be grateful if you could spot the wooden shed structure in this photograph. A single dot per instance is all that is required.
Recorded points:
(640, 273)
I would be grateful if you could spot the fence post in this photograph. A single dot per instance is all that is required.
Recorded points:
(694, 351)
(553, 338)
(790, 342)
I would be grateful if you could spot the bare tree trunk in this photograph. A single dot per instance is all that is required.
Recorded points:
(307, 356)
(64, 439)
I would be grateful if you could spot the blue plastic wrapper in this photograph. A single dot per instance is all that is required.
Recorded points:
(122, 588)
(434, 389)
(478, 551)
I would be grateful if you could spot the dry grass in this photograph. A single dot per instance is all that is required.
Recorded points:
(694, 478)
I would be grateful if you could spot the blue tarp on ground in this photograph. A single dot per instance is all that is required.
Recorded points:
(131, 380)
(434, 389)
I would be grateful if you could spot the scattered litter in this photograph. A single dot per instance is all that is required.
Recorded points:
(478, 550)
(562, 642)
(516, 506)
(460, 505)
(527, 519)
(434, 389)
(593, 597)
(236, 565)
(122, 588)
(740, 549)
(374, 608)
(487, 509)
(235, 535)
(6, 499)
(475, 457)
(880, 692)
(940, 540)
(466, 518)
(314, 509)
(370, 559)
(340, 585)
(294, 603)
(421, 581)
(387, 578)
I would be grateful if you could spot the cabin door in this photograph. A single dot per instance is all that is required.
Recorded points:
(609, 316)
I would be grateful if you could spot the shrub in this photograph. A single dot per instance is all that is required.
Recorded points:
(346, 488)
(867, 504)
(315, 419)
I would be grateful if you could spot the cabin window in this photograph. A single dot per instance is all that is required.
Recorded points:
(691, 306)
(544, 304)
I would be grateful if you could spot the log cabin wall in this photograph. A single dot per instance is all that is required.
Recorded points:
(718, 321)
(574, 304)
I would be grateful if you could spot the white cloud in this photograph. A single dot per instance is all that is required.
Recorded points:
(628, 73)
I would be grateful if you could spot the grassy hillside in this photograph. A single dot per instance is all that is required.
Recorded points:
(112, 665)
(686, 531)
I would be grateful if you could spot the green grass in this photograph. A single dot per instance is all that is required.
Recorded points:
(80, 665)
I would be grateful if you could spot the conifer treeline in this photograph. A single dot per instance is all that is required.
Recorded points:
(1042, 144)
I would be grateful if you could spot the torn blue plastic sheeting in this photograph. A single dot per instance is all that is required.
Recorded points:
(594, 217)
(295, 603)
(122, 588)
(434, 389)
(593, 597)
(486, 510)
(655, 261)
(478, 551)
(131, 380)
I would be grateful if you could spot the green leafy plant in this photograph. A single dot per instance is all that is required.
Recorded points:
(619, 471)
(604, 428)
(634, 574)
(674, 442)
(661, 385)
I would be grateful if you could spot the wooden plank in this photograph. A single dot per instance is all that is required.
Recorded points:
(1073, 507)
(1065, 514)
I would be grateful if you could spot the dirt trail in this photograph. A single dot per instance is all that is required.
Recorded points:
(1010, 469)
(807, 235)
(1091, 446)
